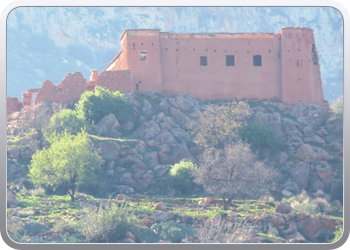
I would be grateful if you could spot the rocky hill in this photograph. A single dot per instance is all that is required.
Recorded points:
(139, 153)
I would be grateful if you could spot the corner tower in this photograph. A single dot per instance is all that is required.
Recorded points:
(301, 76)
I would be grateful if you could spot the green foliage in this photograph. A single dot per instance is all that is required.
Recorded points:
(108, 225)
(93, 106)
(145, 234)
(337, 109)
(337, 234)
(172, 231)
(181, 177)
(218, 125)
(66, 120)
(70, 161)
(261, 138)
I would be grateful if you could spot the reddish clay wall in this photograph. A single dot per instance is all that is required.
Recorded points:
(70, 89)
(120, 80)
(301, 77)
(182, 71)
(289, 72)
(13, 105)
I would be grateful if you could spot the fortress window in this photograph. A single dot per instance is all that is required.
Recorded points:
(257, 60)
(133, 46)
(230, 60)
(143, 56)
(141, 43)
(203, 61)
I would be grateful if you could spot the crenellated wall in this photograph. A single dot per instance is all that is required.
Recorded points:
(13, 105)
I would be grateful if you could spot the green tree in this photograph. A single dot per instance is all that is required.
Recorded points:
(181, 177)
(261, 138)
(337, 109)
(218, 125)
(93, 106)
(70, 161)
(66, 120)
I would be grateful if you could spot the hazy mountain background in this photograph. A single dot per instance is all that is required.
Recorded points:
(48, 42)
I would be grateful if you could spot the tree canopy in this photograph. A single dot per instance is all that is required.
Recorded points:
(218, 125)
(93, 106)
(70, 161)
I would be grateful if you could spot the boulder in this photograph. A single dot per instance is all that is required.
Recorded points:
(300, 173)
(310, 153)
(127, 178)
(11, 199)
(34, 228)
(277, 221)
(286, 193)
(151, 159)
(283, 208)
(128, 125)
(183, 104)
(148, 221)
(291, 186)
(315, 139)
(282, 158)
(272, 121)
(309, 226)
(297, 238)
(13, 152)
(160, 206)
(105, 124)
(312, 115)
(124, 189)
(165, 138)
(122, 197)
(180, 134)
(179, 117)
(292, 229)
(147, 109)
(162, 216)
(109, 150)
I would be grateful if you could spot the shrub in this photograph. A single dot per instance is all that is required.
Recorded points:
(181, 177)
(108, 225)
(66, 120)
(261, 138)
(303, 204)
(172, 231)
(93, 106)
(145, 234)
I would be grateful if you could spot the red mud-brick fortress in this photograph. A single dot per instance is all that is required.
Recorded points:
(210, 66)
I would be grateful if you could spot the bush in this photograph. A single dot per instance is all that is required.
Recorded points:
(181, 177)
(93, 106)
(66, 120)
(145, 234)
(303, 204)
(172, 231)
(108, 225)
(261, 138)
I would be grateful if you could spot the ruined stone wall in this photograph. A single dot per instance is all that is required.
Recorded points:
(13, 105)
(300, 67)
(120, 80)
(70, 89)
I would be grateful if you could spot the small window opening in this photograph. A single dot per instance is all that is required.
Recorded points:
(299, 79)
(269, 51)
(225, 51)
(137, 86)
(141, 43)
(176, 49)
(297, 63)
(152, 44)
(203, 61)
(230, 60)
(257, 60)
(143, 56)
(166, 48)
(279, 55)
(193, 49)
(299, 40)
(206, 50)
(133, 46)
(214, 50)
(248, 51)
(288, 50)
(298, 50)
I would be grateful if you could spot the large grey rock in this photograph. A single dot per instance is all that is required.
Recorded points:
(151, 159)
(310, 153)
(312, 115)
(147, 109)
(127, 179)
(147, 130)
(289, 125)
(11, 199)
(272, 121)
(300, 173)
(179, 117)
(162, 216)
(163, 106)
(124, 189)
(183, 103)
(34, 228)
(315, 139)
(283, 208)
(165, 138)
(109, 150)
(180, 134)
(103, 126)
(179, 153)
(291, 186)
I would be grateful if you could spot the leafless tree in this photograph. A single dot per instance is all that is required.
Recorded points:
(233, 171)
